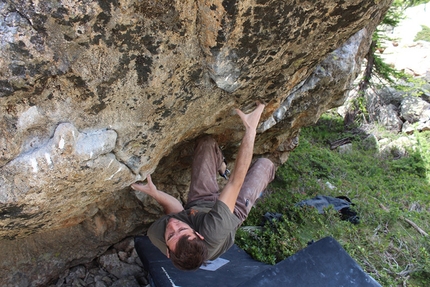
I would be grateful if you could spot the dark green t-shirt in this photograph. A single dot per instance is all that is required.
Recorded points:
(217, 225)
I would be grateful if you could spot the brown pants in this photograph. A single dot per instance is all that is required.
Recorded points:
(204, 187)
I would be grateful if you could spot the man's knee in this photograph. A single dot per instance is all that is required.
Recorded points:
(206, 141)
(266, 165)
(266, 162)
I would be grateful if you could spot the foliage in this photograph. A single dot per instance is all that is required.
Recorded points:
(382, 71)
(387, 192)
(377, 72)
(409, 3)
(424, 34)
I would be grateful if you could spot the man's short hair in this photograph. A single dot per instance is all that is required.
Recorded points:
(189, 254)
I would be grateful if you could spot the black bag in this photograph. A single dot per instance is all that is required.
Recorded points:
(340, 203)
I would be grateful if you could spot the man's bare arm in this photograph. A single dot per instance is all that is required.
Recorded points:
(231, 190)
(168, 202)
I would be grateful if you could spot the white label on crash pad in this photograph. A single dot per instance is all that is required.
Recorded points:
(214, 264)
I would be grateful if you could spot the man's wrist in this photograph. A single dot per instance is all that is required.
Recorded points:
(250, 132)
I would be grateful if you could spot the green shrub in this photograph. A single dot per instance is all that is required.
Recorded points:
(424, 34)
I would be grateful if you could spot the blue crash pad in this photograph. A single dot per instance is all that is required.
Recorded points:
(323, 263)
(236, 267)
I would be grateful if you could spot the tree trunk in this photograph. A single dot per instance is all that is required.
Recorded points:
(362, 87)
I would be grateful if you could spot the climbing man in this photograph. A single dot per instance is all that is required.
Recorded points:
(206, 227)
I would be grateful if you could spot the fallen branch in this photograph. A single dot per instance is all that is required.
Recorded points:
(422, 232)
(337, 143)
(413, 224)
(384, 207)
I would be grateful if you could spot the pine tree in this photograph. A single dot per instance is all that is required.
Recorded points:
(375, 65)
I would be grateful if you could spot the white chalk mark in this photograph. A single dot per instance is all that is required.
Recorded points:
(48, 158)
(110, 163)
(61, 143)
(34, 165)
(114, 174)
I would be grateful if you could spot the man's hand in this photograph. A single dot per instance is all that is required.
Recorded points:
(251, 120)
(149, 188)
(168, 202)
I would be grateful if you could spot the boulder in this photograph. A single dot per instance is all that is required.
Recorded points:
(389, 118)
(414, 109)
(112, 263)
(397, 148)
(95, 95)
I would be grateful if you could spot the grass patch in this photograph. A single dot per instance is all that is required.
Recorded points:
(388, 193)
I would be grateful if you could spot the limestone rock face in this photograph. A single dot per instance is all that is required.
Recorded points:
(94, 95)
